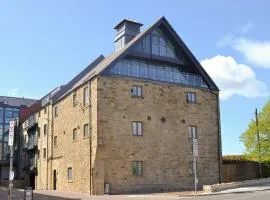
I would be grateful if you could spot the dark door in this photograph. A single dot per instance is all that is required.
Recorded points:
(32, 180)
(54, 179)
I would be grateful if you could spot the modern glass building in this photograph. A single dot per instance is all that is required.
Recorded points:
(9, 109)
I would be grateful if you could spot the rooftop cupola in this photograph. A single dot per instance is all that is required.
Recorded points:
(126, 30)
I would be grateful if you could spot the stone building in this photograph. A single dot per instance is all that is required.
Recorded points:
(128, 120)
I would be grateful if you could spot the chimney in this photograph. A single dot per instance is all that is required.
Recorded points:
(126, 30)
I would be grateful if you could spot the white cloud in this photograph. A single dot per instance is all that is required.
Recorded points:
(246, 28)
(226, 40)
(257, 52)
(13, 92)
(233, 78)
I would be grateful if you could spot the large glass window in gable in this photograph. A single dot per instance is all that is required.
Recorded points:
(143, 46)
(146, 45)
(170, 50)
(161, 46)
(138, 47)
(115, 68)
(155, 45)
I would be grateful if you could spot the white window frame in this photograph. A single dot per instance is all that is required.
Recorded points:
(191, 97)
(192, 132)
(137, 91)
(137, 128)
(70, 174)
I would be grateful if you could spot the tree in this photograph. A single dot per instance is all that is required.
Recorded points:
(250, 140)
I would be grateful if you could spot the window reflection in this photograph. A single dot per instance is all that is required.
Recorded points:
(156, 71)
(159, 46)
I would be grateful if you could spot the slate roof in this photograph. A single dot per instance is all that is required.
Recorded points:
(15, 101)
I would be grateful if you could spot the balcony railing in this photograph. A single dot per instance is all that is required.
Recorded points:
(30, 164)
(31, 121)
(32, 142)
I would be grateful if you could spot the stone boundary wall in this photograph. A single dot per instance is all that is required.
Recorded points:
(232, 185)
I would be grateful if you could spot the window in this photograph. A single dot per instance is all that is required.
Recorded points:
(191, 97)
(136, 91)
(74, 135)
(44, 153)
(74, 99)
(55, 141)
(45, 110)
(137, 128)
(56, 111)
(70, 174)
(85, 96)
(146, 69)
(85, 130)
(161, 46)
(38, 154)
(192, 130)
(45, 129)
(38, 132)
(137, 168)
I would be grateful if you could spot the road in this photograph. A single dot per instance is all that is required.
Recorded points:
(247, 195)
(19, 195)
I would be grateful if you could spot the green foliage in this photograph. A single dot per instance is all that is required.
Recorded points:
(249, 137)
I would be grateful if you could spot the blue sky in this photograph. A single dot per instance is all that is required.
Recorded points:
(43, 44)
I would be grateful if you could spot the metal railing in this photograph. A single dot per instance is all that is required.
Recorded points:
(30, 121)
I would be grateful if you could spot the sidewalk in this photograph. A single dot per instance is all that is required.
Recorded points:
(81, 196)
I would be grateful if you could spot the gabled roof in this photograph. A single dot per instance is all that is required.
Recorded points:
(101, 63)
(115, 56)
(71, 85)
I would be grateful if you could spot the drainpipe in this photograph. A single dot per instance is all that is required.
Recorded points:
(51, 158)
(90, 137)
(47, 132)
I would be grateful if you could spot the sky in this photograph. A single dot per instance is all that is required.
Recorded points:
(44, 44)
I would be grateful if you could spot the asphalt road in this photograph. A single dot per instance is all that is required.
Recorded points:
(248, 195)
(19, 195)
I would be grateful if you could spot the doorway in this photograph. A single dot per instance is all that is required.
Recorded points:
(54, 179)
(32, 179)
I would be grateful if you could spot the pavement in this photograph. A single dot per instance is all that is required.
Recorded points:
(246, 193)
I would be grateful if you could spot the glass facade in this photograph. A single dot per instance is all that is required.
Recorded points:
(6, 115)
(156, 44)
(156, 71)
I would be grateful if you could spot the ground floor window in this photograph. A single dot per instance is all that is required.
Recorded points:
(70, 174)
(137, 168)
